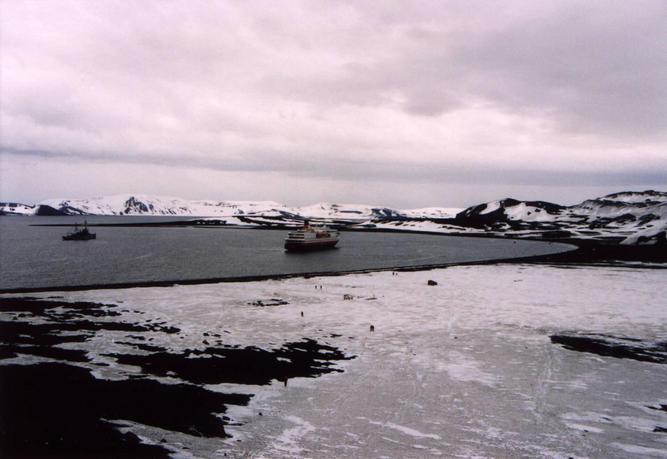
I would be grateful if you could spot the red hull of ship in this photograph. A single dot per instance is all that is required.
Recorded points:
(308, 246)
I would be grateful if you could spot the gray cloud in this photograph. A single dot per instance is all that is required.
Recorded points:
(361, 170)
(598, 68)
(427, 92)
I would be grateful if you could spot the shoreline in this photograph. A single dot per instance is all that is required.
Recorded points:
(581, 252)
(265, 277)
(536, 259)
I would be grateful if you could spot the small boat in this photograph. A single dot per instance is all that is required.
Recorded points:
(80, 234)
(311, 238)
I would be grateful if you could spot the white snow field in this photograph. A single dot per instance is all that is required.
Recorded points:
(465, 368)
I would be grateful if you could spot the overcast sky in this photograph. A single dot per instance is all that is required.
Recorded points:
(405, 103)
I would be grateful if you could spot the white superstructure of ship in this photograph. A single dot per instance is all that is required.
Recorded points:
(311, 238)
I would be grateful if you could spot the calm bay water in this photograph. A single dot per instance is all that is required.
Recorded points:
(36, 256)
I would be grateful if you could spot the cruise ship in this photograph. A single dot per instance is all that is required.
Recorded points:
(311, 238)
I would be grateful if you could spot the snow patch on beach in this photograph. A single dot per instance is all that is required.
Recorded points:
(464, 369)
(287, 441)
(404, 430)
(641, 451)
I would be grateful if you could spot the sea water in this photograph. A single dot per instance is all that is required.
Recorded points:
(36, 256)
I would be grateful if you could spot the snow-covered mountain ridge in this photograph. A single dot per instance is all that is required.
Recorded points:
(629, 217)
(137, 204)
(632, 217)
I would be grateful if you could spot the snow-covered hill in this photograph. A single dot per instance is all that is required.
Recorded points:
(630, 217)
(508, 210)
(432, 212)
(639, 216)
(626, 217)
(138, 204)
(16, 208)
(353, 213)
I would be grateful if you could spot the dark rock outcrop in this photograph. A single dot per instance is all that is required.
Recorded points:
(48, 211)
